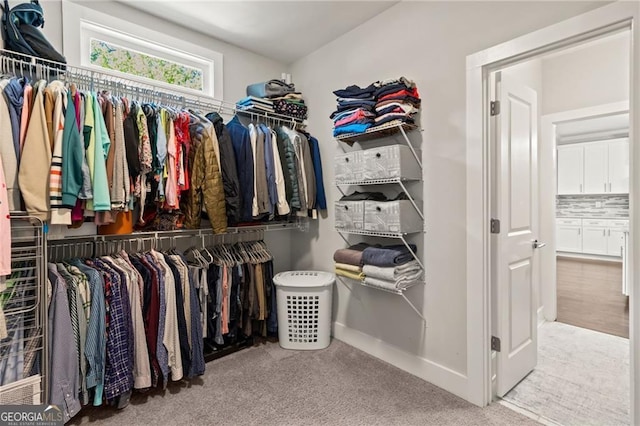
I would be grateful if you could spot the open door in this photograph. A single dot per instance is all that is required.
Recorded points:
(515, 243)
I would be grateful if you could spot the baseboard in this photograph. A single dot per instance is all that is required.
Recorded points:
(434, 373)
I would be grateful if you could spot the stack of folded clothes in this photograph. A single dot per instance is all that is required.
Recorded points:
(356, 110)
(291, 105)
(390, 267)
(254, 104)
(396, 100)
(359, 109)
(349, 261)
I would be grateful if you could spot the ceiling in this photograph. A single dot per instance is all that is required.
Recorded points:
(281, 30)
(616, 125)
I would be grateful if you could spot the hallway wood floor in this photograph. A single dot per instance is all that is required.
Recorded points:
(589, 296)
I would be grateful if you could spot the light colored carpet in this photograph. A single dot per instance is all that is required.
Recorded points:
(582, 378)
(267, 385)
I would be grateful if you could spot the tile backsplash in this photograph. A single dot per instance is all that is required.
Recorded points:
(612, 206)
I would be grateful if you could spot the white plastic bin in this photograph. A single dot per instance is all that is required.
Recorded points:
(304, 309)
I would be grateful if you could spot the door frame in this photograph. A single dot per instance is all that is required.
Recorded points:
(604, 20)
(548, 184)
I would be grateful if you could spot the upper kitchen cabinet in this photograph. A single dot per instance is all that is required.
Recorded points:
(618, 162)
(570, 169)
(594, 167)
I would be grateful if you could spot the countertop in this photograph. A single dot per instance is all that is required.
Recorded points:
(592, 217)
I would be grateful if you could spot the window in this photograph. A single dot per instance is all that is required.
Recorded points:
(129, 61)
(140, 54)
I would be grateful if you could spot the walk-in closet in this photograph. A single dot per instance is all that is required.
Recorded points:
(276, 213)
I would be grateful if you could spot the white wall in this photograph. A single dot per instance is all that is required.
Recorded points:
(593, 75)
(432, 43)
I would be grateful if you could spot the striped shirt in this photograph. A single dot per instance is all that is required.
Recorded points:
(96, 343)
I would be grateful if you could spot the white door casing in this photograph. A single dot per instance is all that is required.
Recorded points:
(517, 208)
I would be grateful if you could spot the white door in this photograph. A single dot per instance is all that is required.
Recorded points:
(595, 168)
(517, 208)
(619, 166)
(569, 238)
(570, 166)
(594, 240)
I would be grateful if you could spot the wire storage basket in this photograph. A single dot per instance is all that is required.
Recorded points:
(23, 301)
(304, 309)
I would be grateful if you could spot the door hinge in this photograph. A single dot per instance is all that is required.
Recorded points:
(495, 107)
(495, 344)
(495, 226)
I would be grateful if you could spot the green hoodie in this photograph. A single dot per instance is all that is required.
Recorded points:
(72, 151)
(101, 141)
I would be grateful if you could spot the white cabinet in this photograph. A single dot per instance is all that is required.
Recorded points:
(594, 167)
(570, 164)
(618, 165)
(594, 236)
(569, 235)
(615, 240)
(591, 236)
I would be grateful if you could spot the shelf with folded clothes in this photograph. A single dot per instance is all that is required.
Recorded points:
(384, 181)
(397, 291)
(400, 235)
(376, 132)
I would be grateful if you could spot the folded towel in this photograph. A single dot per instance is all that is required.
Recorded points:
(387, 284)
(348, 256)
(350, 274)
(347, 267)
(399, 272)
(387, 256)
(351, 255)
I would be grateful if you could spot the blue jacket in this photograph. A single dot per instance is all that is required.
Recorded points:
(244, 164)
(14, 92)
(321, 199)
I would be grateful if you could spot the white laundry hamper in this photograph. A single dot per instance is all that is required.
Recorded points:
(304, 309)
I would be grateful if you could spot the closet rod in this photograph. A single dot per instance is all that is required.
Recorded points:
(94, 78)
(196, 233)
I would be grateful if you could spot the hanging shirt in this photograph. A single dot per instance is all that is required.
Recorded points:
(242, 149)
(270, 168)
(96, 343)
(282, 204)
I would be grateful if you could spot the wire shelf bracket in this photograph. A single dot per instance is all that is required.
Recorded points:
(397, 292)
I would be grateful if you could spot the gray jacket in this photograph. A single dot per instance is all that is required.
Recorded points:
(64, 379)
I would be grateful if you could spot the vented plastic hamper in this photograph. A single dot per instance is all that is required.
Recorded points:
(304, 309)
